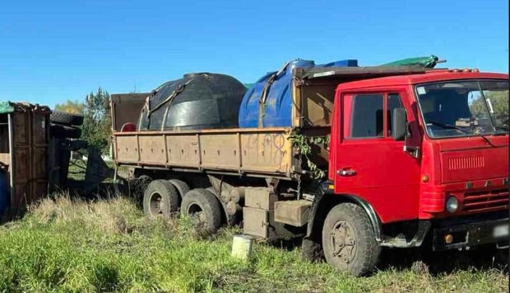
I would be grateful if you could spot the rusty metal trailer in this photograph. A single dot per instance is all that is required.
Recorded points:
(35, 147)
(24, 144)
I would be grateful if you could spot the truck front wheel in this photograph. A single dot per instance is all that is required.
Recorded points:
(348, 240)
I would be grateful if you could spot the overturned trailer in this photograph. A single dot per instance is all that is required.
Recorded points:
(35, 150)
(24, 144)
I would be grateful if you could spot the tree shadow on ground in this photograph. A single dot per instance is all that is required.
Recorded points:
(423, 260)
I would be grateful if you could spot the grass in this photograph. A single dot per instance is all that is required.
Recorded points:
(65, 245)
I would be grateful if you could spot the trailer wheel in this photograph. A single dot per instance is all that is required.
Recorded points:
(348, 240)
(66, 118)
(202, 205)
(63, 131)
(160, 198)
(137, 186)
(181, 186)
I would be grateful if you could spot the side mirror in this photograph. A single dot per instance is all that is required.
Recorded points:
(399, 124)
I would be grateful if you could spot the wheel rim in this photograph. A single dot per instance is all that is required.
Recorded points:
(156, 204)
(343, 242)
(196, 213)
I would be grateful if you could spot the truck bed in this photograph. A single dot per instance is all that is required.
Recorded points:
(260, 151)
(255, 151)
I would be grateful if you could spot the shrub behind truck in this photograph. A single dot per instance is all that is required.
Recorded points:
(350, 159)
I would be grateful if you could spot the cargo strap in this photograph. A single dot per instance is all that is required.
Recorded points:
(265, 91)
(175, 93)
(145, 107)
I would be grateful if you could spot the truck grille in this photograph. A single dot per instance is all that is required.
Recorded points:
(486, 200)
(466, 163)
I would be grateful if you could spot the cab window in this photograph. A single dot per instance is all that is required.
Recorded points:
(366, 118)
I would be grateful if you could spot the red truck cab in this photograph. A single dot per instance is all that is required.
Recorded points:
(428, 148)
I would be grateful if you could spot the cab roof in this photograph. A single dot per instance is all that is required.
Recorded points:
(412, 79)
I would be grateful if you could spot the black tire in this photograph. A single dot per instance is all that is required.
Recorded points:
(137, 186)
(229, 220)
(358, 251)
(160, 199)
(65, 118)
(62, 131)
(181, 186)
(201, 204)
(76, 145)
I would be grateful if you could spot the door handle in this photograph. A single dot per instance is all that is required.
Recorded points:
(346, 172)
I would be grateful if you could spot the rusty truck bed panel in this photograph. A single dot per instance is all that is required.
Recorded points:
(264, 151)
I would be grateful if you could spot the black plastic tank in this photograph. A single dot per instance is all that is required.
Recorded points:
(196, 101)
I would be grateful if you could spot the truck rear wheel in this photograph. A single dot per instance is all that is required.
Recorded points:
(348, 240)
(202, 206)
(181, 186)
(160, 198)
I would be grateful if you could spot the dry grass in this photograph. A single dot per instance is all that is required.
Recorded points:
(115, 216)
(66, 245)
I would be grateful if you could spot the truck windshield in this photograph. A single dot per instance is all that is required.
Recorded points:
(464, 108)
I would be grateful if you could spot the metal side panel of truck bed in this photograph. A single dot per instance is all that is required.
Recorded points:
(266, 151)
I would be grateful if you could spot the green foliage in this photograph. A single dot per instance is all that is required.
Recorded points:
(97, 122)
(108, 246)
(304, 144)
(74, 107)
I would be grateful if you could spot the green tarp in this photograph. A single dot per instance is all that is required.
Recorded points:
(426, 62)
(6, 107)
(423, 62)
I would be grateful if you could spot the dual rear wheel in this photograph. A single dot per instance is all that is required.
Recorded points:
(168, 197)
(348, 238)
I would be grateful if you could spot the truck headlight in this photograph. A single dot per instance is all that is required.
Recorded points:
(452, 204)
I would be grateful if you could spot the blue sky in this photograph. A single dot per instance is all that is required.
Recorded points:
(51, 51)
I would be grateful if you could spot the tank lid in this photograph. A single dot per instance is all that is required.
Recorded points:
(193, 74)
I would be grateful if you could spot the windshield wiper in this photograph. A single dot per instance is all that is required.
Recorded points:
(448, 126)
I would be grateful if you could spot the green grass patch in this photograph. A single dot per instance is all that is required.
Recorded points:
(108, 246)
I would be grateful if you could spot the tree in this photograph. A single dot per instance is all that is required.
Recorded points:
(74, 107)
(97, 123)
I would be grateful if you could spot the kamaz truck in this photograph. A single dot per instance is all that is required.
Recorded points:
(348, 158)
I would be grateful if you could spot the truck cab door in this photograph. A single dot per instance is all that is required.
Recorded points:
(368, 162)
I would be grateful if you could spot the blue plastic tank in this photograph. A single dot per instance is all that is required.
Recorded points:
(277, 107)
